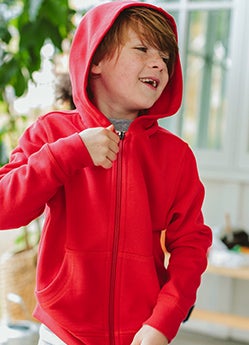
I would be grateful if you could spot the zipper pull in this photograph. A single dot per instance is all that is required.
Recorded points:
(121, 134)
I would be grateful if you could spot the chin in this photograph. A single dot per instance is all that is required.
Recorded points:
(148, 106)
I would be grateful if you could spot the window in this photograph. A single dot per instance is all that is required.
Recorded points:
(214, 49)
(205, 69)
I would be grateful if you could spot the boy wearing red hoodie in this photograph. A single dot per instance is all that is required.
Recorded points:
(110, 181)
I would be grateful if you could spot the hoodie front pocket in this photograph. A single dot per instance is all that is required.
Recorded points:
(76, 296)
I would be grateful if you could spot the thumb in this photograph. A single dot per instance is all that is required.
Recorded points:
(111, 128)
(113, 134)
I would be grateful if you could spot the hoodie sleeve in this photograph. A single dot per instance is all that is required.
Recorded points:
(36, 170)
(187, 241)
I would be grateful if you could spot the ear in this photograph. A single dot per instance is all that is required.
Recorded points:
(95, 69)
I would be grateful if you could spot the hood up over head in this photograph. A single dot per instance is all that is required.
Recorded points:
(90, 32)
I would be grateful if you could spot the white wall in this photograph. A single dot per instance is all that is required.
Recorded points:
(226, 197)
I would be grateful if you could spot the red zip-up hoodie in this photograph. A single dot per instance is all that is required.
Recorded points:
(101, 272)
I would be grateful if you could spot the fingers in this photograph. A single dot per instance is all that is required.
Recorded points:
(148, 335)
(111, 147)
(112, 135)
(102, 145)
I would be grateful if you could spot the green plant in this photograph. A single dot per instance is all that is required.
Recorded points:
(24, 28)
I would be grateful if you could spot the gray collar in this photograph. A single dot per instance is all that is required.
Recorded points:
(121, 125)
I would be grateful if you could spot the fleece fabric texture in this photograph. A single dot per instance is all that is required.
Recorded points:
(101, 272)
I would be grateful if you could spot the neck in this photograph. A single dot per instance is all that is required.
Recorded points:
(112, 112)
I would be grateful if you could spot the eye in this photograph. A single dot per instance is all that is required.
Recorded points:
(165, 58)
(142, 49)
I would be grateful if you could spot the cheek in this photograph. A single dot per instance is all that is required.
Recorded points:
(130, 65)
(165, 80)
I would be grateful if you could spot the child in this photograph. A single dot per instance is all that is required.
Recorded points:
(110, 181)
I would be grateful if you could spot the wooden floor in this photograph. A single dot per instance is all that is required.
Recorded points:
(187, 338)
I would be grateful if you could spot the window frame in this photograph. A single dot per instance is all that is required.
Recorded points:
(232, 160)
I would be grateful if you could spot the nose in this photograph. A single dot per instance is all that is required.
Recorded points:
(156, 61)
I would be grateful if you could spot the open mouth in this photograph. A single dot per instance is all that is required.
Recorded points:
(153, 82)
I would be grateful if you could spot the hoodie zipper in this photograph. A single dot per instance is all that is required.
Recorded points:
(116, 238)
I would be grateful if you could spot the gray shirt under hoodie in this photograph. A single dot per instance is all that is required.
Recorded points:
(121, 125)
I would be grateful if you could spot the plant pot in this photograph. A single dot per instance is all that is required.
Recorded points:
(17, 276)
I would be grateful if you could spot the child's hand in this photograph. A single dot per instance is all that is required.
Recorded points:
(102, 145)
(148, 335)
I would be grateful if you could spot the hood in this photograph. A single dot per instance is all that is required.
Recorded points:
(90, 32)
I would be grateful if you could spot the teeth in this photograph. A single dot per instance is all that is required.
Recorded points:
(149, 81)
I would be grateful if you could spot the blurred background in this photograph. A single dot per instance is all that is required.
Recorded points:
(35, 38)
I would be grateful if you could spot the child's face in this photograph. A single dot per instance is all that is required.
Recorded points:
(130, 81)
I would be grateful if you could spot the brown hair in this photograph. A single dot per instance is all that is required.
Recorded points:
(152, 27)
